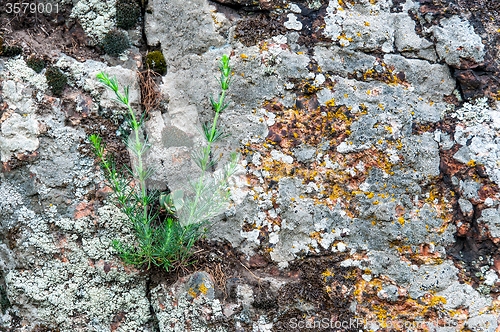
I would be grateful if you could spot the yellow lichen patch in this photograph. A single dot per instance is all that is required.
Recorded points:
(263, 47)
(472, 163)
(295, 126)
(316, 236)
(432, 196)
(216, 21)
(373, 307)
(202, 288)
(350, 275)
(330, 103)
(327, 274)
(387, 76)
(192, 292)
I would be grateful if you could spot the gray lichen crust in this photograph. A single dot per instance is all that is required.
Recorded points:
(96, 17)
(368, 182)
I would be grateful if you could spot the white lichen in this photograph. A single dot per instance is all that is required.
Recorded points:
(18, 69)
(96, 17)
(473, 113)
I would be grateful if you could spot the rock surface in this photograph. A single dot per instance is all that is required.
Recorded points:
(367, 188)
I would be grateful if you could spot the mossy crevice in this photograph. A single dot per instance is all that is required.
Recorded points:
(115, 42)
(56, 79)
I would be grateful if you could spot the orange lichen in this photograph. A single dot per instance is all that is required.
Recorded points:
(191, 292)
(202, 288)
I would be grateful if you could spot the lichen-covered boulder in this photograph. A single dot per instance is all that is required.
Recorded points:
(366, 192)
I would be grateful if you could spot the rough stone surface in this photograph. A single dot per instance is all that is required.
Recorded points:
(194, 31)
(491, 218)
(188, 305)
(367, 186)
(456, 41)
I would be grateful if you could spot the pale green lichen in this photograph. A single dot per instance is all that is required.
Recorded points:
(17, 68)
(96, 17)
(474, 112)
(179, 314)
(78, 282)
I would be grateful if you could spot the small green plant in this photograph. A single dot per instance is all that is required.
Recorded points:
(127, 13)
(36, 63)
(56, 80)
(167, 201)
(115, 42)
(206, 196)
(168, 242)
(156, 61)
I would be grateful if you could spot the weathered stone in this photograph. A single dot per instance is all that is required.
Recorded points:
(362, 27)
(432, 279)
(408, 42)
(458, 295)
(182, 32)
(466, 207)
(486, 323)
(354, 161)
(456, 41)
(185, 306)
(491, 218)
(18, 134)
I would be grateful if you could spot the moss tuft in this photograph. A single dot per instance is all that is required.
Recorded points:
(4, 300)
(56, 80)
(156, 61)
(9, 51)
(6, 50)
(115, 42)
(36, 63)
(127, 13)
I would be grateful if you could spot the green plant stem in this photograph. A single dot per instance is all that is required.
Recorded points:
(221, 100)
(138, 143)
(138, 148)
(169, 244)
(142, 184)
(200, 180)
(205, 161)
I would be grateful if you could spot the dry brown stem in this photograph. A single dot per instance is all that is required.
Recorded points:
(150, 93)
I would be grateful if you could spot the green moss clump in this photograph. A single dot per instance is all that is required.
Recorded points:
(56, 80)
(4, 300)
(115, 42)
(11, 50)
(127, 13)
(6, 50)
(156, 61)
(36, 63)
